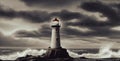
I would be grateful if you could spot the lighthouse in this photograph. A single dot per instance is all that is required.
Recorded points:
(55, 35)
(55, 50)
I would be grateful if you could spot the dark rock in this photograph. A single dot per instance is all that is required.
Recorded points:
(83, 58)
(38, 58)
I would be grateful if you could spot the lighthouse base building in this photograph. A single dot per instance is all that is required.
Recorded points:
(57, 53)
(55, 50)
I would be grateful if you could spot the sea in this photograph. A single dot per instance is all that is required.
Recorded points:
(101, 53)
(12, 54)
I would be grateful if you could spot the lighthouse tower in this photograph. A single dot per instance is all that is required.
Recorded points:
(55, 37)
(55, 50)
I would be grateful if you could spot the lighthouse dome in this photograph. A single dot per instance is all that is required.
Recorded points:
(55, 22)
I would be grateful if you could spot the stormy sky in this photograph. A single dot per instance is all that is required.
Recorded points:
(85, 23)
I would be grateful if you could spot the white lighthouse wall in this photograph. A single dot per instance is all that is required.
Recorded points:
(55, 42)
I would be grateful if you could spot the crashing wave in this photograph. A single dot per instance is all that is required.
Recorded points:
(104, 52)
(32, 52)
(73, 54)
(15, 55)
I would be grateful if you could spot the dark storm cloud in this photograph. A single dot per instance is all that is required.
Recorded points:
(49, 3)
(105, 9)
(67, 15)
(23, 33)
(7, 13)
(10, 42)
(97, 32)
(38, 16)
(99, 28)
(116, 5)
(89, 22)
(32, 16)
(43, 32)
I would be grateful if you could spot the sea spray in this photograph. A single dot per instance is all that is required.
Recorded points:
(15, 55)
(33, 52)
(104, 52)
(73, 54)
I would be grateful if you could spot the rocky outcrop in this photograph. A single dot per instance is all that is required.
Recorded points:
(56, 53)
(39, 58)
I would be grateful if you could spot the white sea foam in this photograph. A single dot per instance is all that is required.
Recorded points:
(73, 54)
(15, 55)
(104, 52)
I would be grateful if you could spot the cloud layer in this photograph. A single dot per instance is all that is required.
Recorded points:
(79, 18)
(50, 3)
